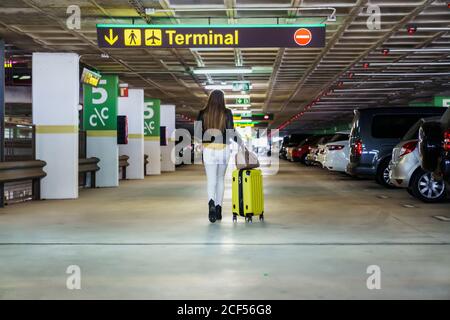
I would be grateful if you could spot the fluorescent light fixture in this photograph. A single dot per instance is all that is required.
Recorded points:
(371, 90)
(238, 105)
(431, 29)
(409, 64)
(421, 50)
(220, 87)
(240, 111)
(237, 96)
(418, 74)
(25, 78)
(222, 70)
(386, 82)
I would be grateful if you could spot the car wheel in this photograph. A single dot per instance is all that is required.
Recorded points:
(382, 176)
(425, 188)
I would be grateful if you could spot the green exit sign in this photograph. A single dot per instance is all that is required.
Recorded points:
(242, 100)
(441, 101)
(241, 85)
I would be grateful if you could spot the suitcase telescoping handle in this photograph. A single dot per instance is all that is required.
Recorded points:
(241, 192)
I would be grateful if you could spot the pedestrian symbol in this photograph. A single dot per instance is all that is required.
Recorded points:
(153, 37)
(132, 37)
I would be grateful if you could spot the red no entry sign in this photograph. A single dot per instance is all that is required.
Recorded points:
(302, 37)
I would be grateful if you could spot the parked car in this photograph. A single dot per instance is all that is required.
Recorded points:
(434, 147)
(374, 134)
(304, 149)
(322, 148)
(406, 172)
(337, 152)
(311, 157)
(290, 141)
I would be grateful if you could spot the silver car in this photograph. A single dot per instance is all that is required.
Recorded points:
(405, 170)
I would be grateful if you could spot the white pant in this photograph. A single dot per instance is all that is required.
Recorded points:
(216, 162)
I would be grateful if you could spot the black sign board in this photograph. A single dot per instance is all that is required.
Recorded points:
(211, 36)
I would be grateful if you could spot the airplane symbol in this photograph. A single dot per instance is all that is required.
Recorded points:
(153, 37)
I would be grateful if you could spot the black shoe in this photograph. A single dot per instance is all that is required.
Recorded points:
(212, 211)
(219, 212)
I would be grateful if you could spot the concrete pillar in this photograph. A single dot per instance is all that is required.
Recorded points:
(152, 135)
(2, 106)
(167, 151)
(55, 93)
(2, 113)
(100, 123)
(133, 107)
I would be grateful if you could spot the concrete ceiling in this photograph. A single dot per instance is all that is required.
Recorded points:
(299, 77)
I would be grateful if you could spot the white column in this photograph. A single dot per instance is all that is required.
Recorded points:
(55, 94)
(133, 107)
(101, 140)
(167, 152)
(106, 149)
(153, 149)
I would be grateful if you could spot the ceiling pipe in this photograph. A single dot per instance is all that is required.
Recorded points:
(330, 17)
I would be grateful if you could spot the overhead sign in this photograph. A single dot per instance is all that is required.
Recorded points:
(440, 101)
(90, 77)
(303, 37)
(241, 86)
(242, 100)
(100, 104)
(152, 118)
(211, 36)
(123, 90)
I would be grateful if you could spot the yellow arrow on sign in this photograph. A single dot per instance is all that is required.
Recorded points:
(111, 39)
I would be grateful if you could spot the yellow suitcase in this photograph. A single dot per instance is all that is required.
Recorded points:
(247, 194)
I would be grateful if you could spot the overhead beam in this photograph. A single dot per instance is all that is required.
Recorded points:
(382, 40)
(93, 45)
(347, 22)
(279, 60)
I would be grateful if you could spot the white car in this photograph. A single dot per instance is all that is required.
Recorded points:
(337, 152)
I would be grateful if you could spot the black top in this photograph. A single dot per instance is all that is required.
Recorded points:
(229, 125)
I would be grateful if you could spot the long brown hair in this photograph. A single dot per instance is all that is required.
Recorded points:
(214, 113)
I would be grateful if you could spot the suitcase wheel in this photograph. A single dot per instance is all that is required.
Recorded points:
(261, 217)
(248, 219)
(234, 217)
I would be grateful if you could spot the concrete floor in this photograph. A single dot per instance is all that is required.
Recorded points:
(151, 239)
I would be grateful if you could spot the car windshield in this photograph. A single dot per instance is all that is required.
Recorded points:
(313, 140)
(339, 137)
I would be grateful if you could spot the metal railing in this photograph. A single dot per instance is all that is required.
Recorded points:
(16, 172)
(88, 166)
(123, 164)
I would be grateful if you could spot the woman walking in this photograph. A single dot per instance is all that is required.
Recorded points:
(216, 121)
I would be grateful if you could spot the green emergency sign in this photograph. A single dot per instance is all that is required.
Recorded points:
(151, 117)
(241, 86)
(242, 100)
(440, 101)
(100, 104)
